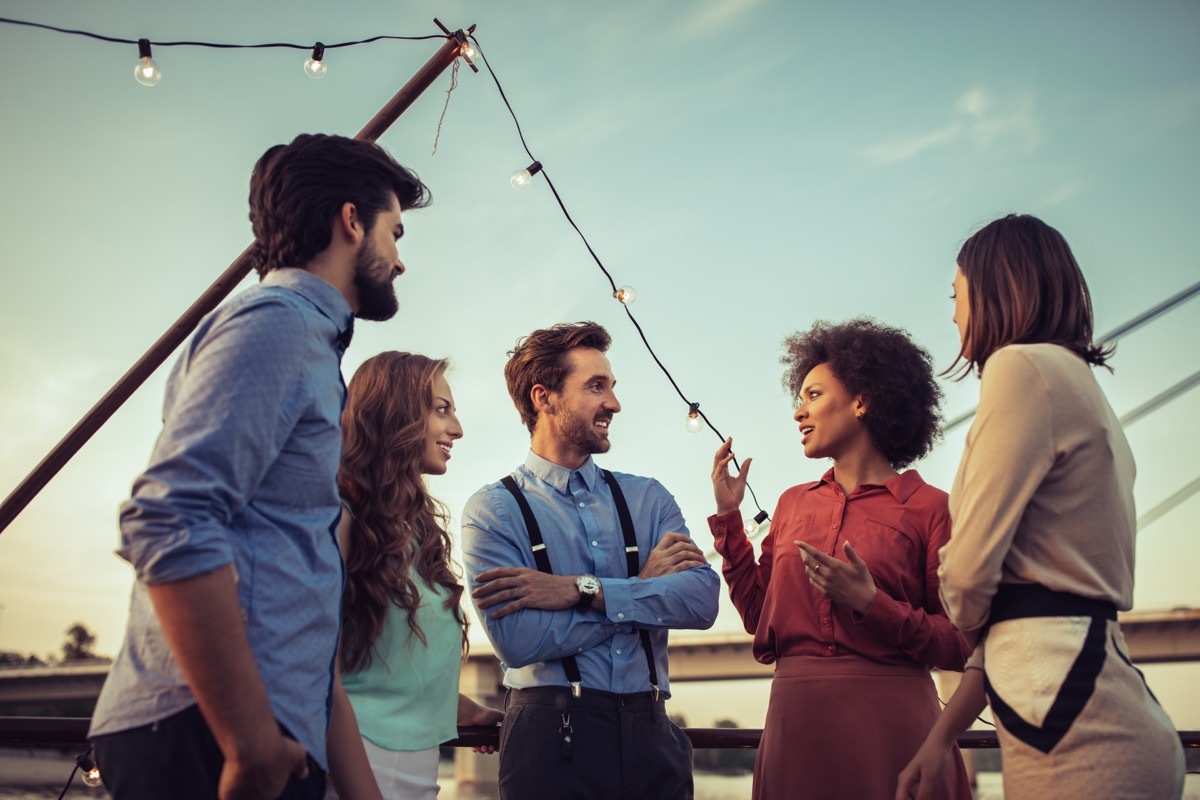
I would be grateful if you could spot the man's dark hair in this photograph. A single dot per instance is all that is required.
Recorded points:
(297, 190)
(893, 374)
(541, 357)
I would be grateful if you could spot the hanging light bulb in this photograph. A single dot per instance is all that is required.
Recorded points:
(147, 71)
(522, 178)
(314, 66)
(468, 51)
(693, 424)
(626, 295)
(756, 527)
(90, 769)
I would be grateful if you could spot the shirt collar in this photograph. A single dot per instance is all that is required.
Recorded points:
(559, 476)
(902, 487)
(321, 293)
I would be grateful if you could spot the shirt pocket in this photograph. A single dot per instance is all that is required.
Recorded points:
(888, 553)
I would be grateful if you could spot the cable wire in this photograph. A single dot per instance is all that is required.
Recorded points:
(612, 283)
(215, 45)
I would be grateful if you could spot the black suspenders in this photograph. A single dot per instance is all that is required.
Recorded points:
(632, 564)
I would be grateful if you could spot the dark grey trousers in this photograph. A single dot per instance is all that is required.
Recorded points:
(623, 748)
(177, 758)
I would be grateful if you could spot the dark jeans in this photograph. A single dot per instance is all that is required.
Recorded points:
(177, 758)
(623, 746)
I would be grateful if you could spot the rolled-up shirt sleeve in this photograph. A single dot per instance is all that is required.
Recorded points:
(494, 536)
(236, 397)
(682, 600)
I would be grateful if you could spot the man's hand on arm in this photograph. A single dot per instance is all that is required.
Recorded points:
(202, 620)
(675, 552)
(505, 590)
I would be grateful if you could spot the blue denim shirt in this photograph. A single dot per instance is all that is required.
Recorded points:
(244, 473)
(578, 519)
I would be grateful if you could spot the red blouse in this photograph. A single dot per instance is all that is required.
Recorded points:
(896, 528)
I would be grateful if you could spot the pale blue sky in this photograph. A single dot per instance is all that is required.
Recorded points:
(748, 166)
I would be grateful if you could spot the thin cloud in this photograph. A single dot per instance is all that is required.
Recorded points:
(979, 119)
(714, 19)
(1061, 194)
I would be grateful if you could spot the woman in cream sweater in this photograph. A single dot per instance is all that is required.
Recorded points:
(1040, 557)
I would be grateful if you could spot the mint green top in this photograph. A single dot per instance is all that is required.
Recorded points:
(407, 698)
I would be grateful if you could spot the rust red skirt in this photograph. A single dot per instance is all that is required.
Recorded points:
(844, 727)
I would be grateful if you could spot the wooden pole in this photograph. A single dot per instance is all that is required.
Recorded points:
(124, 388)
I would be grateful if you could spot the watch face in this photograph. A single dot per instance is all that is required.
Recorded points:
(588, 584)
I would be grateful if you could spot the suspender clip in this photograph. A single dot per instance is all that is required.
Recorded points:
(655, 688)
(577, 689)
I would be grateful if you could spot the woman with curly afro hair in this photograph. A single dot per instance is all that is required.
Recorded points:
(844, 597)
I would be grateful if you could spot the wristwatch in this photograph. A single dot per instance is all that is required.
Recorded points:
(589, 587)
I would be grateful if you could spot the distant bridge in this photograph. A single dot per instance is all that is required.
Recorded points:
(1153, 637)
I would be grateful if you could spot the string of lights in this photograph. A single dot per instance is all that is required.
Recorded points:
(625, 295)
(148, 73)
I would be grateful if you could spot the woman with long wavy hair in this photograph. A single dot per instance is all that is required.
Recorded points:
(404, 635)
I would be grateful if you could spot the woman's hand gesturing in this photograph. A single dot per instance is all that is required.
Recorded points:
(729, 490)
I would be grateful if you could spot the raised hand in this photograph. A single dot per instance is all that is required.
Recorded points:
(848, 584)
(729, 490)
(673, 553)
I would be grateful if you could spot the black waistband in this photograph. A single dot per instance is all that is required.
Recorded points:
(559, 696)
(1020, 600)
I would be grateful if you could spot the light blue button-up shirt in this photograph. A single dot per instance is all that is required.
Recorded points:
(244, 473)
(578, 520)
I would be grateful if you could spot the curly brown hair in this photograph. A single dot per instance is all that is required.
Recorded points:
(541, 358)
(893, 374)
(399, 531)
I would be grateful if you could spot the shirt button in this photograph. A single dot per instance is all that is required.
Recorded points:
(595, 543)
(618, 651)
(620, 616)
(659, 620)
(825, 620)
(581, 505)
(828, 651)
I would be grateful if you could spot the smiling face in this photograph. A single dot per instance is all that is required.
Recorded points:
(829, 417)
(441, 429)
(580, 414)
(962, 308)
(377, 263)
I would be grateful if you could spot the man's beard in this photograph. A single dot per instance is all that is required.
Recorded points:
(581, 433)
(376, 299)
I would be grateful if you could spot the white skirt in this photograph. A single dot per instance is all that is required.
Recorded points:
(1075, 718)
(401, 774)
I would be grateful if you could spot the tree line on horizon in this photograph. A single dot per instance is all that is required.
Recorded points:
(79, 645)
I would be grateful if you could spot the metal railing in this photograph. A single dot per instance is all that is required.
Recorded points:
(49, 731)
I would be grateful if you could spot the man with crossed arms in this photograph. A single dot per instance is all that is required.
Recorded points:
(581, 624)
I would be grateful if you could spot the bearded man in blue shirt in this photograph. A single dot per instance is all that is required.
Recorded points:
(578, 574)
(224, 683)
